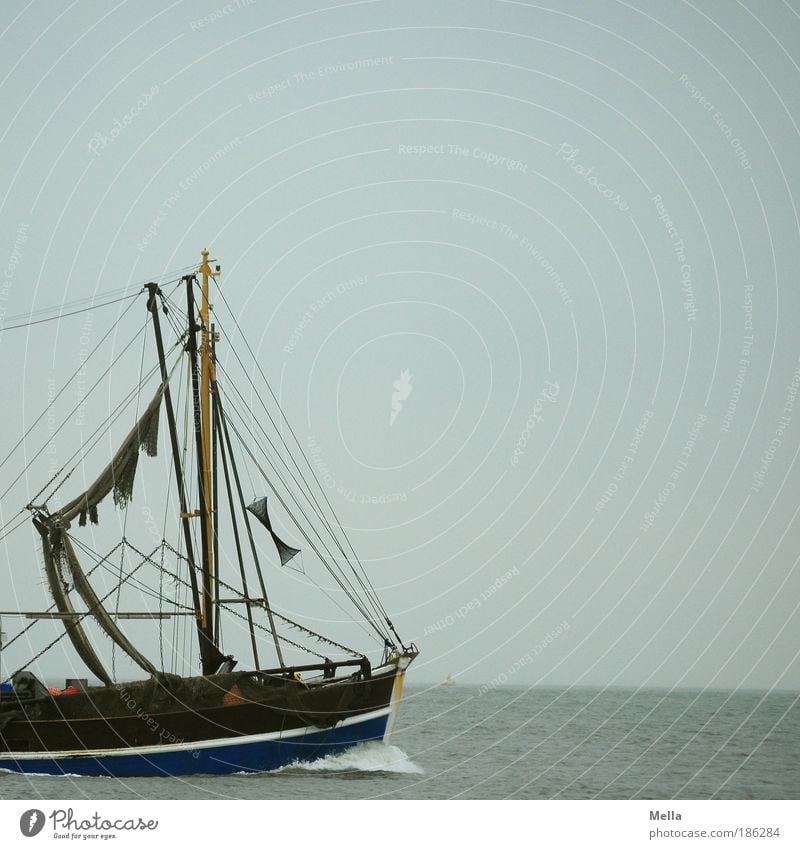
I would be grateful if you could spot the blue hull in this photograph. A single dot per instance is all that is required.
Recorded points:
(211, 757)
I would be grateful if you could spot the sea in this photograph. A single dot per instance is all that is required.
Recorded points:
(465, 742)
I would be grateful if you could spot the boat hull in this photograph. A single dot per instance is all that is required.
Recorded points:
(254, 753)
(307, 722)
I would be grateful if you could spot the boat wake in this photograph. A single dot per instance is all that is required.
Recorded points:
(366, 757)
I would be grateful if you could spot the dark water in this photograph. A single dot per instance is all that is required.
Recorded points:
(523, 744)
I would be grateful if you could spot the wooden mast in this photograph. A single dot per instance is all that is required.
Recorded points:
(207, 378)
(202, 377)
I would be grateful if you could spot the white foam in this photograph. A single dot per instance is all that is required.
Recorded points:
(365, 757)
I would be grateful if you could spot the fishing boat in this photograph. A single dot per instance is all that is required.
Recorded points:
(313, 697)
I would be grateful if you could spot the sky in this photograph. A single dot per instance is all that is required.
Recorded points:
(522, 276)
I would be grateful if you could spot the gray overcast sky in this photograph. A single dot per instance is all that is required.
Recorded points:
(524, 277)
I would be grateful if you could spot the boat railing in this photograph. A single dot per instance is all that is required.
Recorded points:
(327, 668)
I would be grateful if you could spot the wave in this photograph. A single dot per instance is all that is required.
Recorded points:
(365, 757)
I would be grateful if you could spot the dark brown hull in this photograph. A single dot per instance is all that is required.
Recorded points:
(102, 723)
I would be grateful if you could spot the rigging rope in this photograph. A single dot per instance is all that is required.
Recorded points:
(369, 592)
(308, 464)
(89, 300)
(52, 435)
(63, 389)
(62, 425)
(127, 503)
(353, 596)
(144, 588)
(67, 314)
(78, 619)
(88, 575)
(230, 609)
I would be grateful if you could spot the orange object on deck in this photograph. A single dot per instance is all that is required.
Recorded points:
(233, 696)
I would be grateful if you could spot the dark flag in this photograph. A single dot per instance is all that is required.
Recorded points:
(259, 510)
